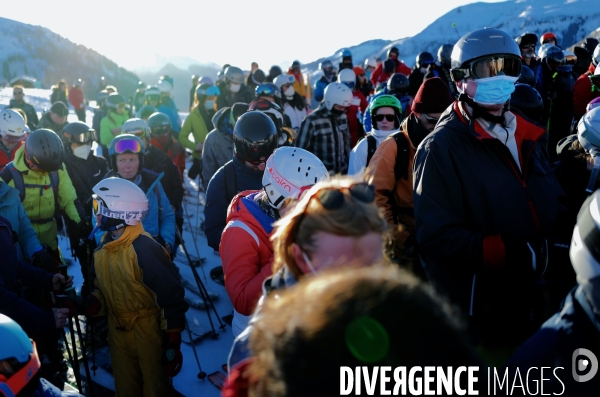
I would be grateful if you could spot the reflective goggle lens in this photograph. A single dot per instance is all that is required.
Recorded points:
(139, 133)
(127, 145)
(164, 130)
(86, 137)
(497, 66)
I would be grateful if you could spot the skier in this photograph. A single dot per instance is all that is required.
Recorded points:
(573, 332)
(380, 75)
(527, 42)
(139, 97)
(160, 132)
(17, 102)
(100, 110)
(44, 186)
(145, 303)
(273, 73)
(197, 124)
(484, 243)
(59, 92)
(246, 251)
(56, 118)
(152, 96)
(233, 89)
(328, 76)
(325, 131)
(397, 85)
(417, 75)
(85, 170)
(12, 134)
(548, 37)
(77, 99)
(254, 139)
(357, 108)
(363, 84)
(146, 111)
(346, 63)
(20, 362)
(293, 104)
(255, 78)
(167, 105)
(369, 66)
(441, 69)
(110, 125)
(386, 111)
(582, 90)
(299, 84)
(127, 161)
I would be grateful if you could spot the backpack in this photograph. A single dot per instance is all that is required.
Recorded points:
(10, 173)
(230, 181)
(402, 158)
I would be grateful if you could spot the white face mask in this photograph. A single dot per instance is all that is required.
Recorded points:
(312, 269)
(234, 87)
(82, 151)
(290, 91)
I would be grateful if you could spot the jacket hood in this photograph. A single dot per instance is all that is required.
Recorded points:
(4, 189)
(19, 160)
(131, 233)
(221, 121)
(247, 210)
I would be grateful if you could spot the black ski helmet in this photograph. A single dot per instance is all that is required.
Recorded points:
(146, 111)
(444, 54)
(254, 137)
(274, 72)
(77, 132)
(393, 50)
(398, 84)
(159, 123)
(44, 150)
(424, 59)
(528, 101)
(527, 38)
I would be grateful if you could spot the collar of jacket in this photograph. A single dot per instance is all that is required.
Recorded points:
(413, 128)
(129, 235)
(265, 221)
(525, 129)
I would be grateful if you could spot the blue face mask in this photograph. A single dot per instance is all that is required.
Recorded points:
(494, 90)
(368, 73)
(209, 104)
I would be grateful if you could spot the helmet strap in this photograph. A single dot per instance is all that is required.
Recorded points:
(480, 112)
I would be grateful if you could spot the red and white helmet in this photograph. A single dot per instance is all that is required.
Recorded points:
(11, 123)
(289, 171)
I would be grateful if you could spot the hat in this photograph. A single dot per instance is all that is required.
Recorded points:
(433, 97)
(358, 70)
(59, 108)
(389, 66)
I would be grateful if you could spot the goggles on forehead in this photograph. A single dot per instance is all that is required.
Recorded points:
(127, 145)
(100, 208)
(501, 65)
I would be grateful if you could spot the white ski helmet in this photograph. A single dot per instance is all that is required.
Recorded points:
(588, 131)
(347, 76)
(137, 127)
(288, 171)
(119, 198)
(165, 86)
(337, 94)
(11, 123)
(152, 90)
(370, 61)
(585, 244)
(283, 79)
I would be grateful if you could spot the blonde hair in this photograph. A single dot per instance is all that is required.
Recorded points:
(299, 225)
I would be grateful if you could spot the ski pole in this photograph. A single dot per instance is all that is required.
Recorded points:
(184, 205)
(201, 374)
(84, 356)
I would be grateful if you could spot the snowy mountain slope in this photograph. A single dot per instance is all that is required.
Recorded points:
(38, 52)
(570, 20)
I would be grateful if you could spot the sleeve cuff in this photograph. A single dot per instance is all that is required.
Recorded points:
(493, 252)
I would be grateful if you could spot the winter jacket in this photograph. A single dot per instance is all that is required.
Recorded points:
(582, 93)
(13, 272)
(405, 101)
(436, 70)
(327, 137)
(469, 194)
(108, 123)
(194, 124)
(32, 117)
(246, 251)
(354, 114)
(414, 81)
(135, 278)
(76, 98)
(299, 86)
(173, 116)
(8, 155)
(227, 98)
(85, 174)
(215, 211)
(320, 86)
(39, 200)
(296, 115)
(98, 116)
(218, 145)
(379, 75)
(12, 209)
(58, 95)
(574, 327)
(157, 161)
(174, 151)
(161, 217)
(46, 122)
(359, 154)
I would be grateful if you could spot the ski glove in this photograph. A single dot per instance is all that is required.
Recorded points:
(84, 227)
(44, 260)
(92, 305)
(172, 359)
(532, 252)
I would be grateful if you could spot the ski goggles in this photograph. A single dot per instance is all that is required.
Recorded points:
(139, 133)
(264, 90)
(100, 208)
(430, 119)
(16, 375)
(127, 145)
(501, 65)
(160, 131)
(334, 198)
(388, 117)
(349, 84)
(85, 137)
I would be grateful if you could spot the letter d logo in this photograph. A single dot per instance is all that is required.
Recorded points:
(582, 364)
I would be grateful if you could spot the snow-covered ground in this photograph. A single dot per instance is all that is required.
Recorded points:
(212, 353)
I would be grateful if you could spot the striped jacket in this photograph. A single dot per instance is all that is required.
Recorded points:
(327, 137)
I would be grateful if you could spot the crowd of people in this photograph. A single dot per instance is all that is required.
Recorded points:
(442, 215)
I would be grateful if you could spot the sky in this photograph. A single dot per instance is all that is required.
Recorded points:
(131, 33)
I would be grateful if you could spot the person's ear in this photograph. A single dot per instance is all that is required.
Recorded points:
(299, 259)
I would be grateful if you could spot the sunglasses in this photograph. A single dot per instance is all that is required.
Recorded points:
(503, 65)
(334, 198)
(388, 117)
(127, 145)
(163, 130)
(526, 46)
(430, 119)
